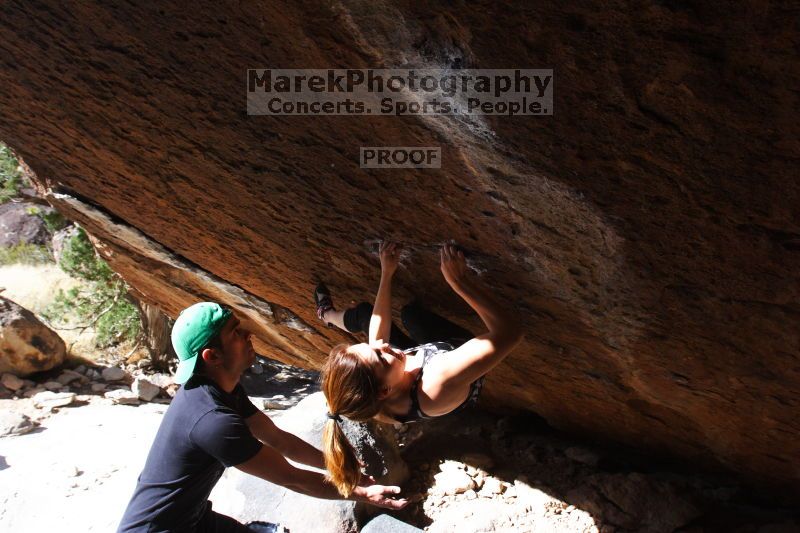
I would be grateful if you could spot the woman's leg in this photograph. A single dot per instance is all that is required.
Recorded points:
(356, 320)
(424, 326)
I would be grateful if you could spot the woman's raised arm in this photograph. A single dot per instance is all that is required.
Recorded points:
(380, 324)
(477, 356)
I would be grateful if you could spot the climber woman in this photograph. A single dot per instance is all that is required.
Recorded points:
(383, 379)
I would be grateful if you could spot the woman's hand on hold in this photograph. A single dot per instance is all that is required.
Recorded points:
(454, 266)
(390, 257)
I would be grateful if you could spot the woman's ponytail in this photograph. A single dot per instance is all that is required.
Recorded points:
(341, 462)
(351, 390)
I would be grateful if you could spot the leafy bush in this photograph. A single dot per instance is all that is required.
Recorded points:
(53, 220)
(11, 180)
(26, 254)
(102, 301)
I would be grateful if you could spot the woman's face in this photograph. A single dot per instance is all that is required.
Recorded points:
(388, 363)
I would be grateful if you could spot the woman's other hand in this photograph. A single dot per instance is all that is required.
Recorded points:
(390, 257)
(454, 266)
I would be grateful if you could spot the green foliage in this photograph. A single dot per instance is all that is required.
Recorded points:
(53, 220)
(26, 254)
(79, 260)
(11, 180)
(100, 302)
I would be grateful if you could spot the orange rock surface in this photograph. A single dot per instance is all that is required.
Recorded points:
(648, 233)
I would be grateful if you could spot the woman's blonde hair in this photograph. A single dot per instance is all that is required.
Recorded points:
(351, 389)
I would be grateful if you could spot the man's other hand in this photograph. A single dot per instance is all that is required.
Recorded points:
(380, 496)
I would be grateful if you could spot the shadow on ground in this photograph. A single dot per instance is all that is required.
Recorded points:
(473, 471)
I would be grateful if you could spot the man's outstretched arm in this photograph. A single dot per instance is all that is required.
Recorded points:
(284, 442)
(270, 465)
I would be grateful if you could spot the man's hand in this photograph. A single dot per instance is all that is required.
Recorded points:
(454, 267)
(380, 496)
(390, 257)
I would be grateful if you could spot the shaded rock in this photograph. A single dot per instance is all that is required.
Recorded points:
(388, 524)
(20, 225)
(788, 526)
(11, 382)
(113, 373)
(634, 501)
(53, 385)
(13, 423)
(582, 455)
(478, 460)
(49, 399)
(99, 387)
(68, 376)
(123, 397)
(144, 389)
(26, 344)
(30, 393)
(300, 514)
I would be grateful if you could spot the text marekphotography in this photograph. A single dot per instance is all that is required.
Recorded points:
(399, 92)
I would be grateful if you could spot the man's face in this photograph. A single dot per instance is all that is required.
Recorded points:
(238, 354)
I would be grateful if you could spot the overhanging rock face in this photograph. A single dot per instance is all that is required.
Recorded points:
(648, 233)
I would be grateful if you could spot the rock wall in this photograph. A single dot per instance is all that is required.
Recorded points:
(648, 233)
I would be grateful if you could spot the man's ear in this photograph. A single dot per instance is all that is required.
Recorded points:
(383, 393)
(210, 356)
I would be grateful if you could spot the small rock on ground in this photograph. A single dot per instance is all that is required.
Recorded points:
(123, 397)
(144, 389)
(113, 373)
(12, 423)
(11, 382)
(49, 399)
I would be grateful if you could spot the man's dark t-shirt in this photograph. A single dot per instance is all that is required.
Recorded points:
(203, 431)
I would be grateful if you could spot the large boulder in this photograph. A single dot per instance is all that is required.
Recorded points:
(20, 224)
(260, 500)
(646, 233)
(27, 345)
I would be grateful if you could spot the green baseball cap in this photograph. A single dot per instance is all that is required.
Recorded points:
(195, 326)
